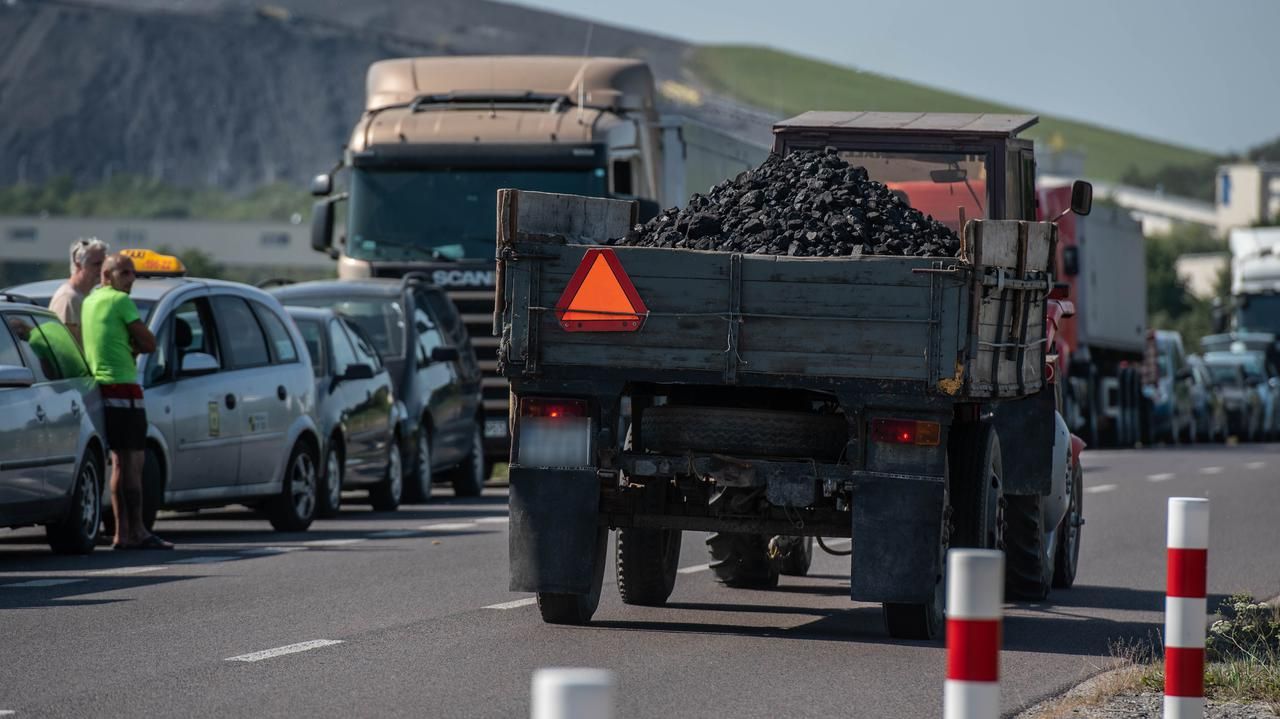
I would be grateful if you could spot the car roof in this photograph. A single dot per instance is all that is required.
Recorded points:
(9, 301)
(368, 287)
(309, 313)
(1236, 358)
(151, 289)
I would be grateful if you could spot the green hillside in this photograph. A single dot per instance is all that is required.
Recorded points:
(790, 84)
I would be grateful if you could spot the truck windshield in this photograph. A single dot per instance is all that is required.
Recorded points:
(403, 215)
(936, 183)
(1259, 313)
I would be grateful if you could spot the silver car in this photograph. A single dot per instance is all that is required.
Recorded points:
(229, 395)
(51, 445)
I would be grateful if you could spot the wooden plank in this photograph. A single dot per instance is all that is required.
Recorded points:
(845, 366)
(621, 357)
(573, 217)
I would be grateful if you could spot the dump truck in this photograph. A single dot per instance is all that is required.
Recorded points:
(440, 135)
(899, 401)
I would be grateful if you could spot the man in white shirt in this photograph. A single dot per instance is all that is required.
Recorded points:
(87, 256)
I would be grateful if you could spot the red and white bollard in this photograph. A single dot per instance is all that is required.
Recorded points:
(572, 694)
(1185, 608)
(975, 599)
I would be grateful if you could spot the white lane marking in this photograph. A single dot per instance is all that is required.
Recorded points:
(1162, 477)
(1211, 470)
(209, 559)
(281, 651)
(394, 534)
(514, 605)
(1099, 489)
(493, 520)
(7, 712)
(1255, 465)
(450, 526)
(267, 551)
(40, 583)
(124, 571)
(333, 542)
(694, 569)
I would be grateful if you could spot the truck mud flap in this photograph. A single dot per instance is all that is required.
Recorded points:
(553, 529)
(1026, 428)
(897, 527)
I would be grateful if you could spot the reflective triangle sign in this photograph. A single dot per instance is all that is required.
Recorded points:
(600, 297)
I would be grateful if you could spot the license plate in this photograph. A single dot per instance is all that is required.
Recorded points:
(495, 428)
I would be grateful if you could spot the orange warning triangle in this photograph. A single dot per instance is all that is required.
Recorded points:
(600, 297)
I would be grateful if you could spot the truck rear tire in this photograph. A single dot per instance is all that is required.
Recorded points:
(796, 562)
(735, 431)
(1028, 562)
(977, 487)
(577, 609)
(742, 560)
(646, 563)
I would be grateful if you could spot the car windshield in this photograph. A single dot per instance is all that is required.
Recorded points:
(1223, 373)
(936, 183)
(443, 214)
(381, 320)
(1259, 313)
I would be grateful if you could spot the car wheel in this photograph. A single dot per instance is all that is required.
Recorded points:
(418, 487)
(1067, 558)
(468, 478)
(329, 498)
(294, 508)
(77, 532)
(386, 496)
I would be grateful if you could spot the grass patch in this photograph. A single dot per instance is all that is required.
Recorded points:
(789, 84)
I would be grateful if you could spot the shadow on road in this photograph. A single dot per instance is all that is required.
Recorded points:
(61, 595)
(1122, 598)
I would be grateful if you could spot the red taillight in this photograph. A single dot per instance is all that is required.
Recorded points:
(906, 431)
(552, 408)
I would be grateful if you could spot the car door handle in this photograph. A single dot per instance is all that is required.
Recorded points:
(282, 393)
(231, 401)
(40, 415)
(75, 409)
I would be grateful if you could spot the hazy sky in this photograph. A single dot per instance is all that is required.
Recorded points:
(1204, 73)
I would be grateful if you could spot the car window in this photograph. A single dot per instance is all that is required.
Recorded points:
(343, 354)
(442, 310)
(282, 349)
(63, 346)
(8, 348)
(365, 352)
(429, 336)
(35, 350)
(381, 320)
(313, 335)
(240, 331)
(187, 331)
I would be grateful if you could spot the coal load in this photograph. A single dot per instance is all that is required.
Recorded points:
(806, 204)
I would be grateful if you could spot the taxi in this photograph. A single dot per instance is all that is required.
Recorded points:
(229, 394)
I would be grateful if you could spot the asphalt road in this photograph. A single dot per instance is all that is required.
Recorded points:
(407, 614)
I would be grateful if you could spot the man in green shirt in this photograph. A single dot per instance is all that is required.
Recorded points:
(114, 334)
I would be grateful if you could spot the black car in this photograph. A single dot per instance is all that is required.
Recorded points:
(356, 413)
(421, 339)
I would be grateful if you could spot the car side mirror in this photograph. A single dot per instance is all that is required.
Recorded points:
(1070, 261)
(357, 372)
(322, 184)
(1081, 197)
(195, 364)
(14, 376)
(444, 354)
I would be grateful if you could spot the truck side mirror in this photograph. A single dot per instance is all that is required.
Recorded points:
(322, 225)
(1081, 197)
(1070, 261)
(322, 184)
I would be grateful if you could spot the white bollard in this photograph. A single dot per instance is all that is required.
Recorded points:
(572, 694)
(975, 601)
(1187, 558)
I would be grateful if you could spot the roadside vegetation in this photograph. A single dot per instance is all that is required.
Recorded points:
(143, 198)
(1170, 304)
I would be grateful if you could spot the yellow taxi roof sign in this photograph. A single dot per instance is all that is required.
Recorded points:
(149, 263)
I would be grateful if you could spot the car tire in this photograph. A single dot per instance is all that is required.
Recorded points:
(468, 478)
(796, 562)
(646, 563)
(385, 497)
(417, 486)
(1067, 557)
(77, 531)
(742, 560)
(293, 509)
(577, 609)
(329, 494)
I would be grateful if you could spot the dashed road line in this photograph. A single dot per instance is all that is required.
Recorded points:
(449, 526)
(1255, 465)
(333, 542)
(1099, 489)
(1211, 470)
(208, 559)
(1162, 477)
(125, 571)
(281, 651)
(32, 583)
(694, 569)
(395, 534)
(7, 712)
(514, 605)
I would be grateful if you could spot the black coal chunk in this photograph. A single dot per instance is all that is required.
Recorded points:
(806, 204)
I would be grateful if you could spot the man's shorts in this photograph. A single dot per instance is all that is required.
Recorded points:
(125, 415)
